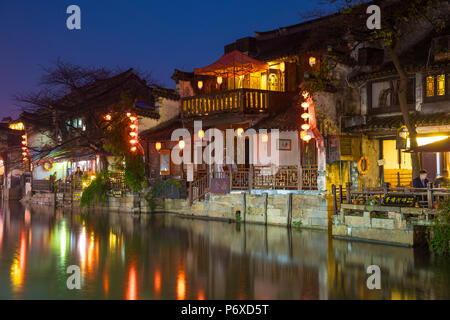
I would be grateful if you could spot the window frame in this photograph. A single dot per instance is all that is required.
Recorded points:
(436, 97)
(393, 107)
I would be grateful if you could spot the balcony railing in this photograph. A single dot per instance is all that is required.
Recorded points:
(239, 100)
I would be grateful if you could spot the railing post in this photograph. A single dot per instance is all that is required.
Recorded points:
(348, 192)
(398, 179)
(333, 190)
(430, 195)
(340, 194)
(385, 189)
(300, 177)
(190, 193)
(250, 179)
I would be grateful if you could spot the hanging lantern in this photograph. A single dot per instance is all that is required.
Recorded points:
(132, 126)
(219, 80)
(133, 149)
(305, 126)
(133, 134)
(282, 66)
(133, 141)
(158, 146)
(181, 144)
(201, 134)
(200, 84)
(312, 61)
(307, 137)
(108, 117)
(128, 114)
(133, 119)
(305, 115)
(239, 131)
(305, 105)
(305, 94)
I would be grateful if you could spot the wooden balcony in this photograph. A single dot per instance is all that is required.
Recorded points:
(246, 101)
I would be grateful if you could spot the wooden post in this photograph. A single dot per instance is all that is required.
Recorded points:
(265, 207)
(333, 190)
(250, 179)
(190, 193)
(230, 172)
(430, 195)
(300, 177)
(398, 179)
(385, 189)
(244, 205)
(347, 190)
(340, 194)
(289, 209)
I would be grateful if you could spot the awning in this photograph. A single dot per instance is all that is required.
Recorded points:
(234, 63)
(438, 146)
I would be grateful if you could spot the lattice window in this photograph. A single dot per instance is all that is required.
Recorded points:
(441, 85)
(430, 86)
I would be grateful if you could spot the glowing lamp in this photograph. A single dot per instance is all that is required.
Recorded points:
(133, 134)
(200, 84)
(24, 148)
(305, 115)
(133, 119)
(305, 105)
(201, 134)
(128, 114)
(265, 138)
(312, 61)
(132, 126)
(181, 144)
(158, 146)
(133, 141)
(305, 94)
(239, 131)
(24, 142)
(282, 66)
(24, 136)
(307, 137)
(219, 80)
(92, 177)
(108, 117)
(133, 149)
(24, 154)
(305, 126)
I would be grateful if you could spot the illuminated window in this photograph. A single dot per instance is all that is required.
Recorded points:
(441, 85)
(430, 86)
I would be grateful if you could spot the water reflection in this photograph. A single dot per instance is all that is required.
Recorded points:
(168, 257)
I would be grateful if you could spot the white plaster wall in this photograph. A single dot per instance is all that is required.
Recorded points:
(168, 109)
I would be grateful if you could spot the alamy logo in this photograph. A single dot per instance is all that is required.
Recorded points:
(73, 22)
(374, 20)
(374, 281)
(74, 280)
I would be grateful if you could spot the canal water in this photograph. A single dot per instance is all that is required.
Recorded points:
(164, 256)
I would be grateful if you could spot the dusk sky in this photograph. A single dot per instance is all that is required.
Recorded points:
(154, 36)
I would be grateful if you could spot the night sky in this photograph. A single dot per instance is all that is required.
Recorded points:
(153, 36)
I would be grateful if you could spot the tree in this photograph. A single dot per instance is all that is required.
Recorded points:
(401, 21)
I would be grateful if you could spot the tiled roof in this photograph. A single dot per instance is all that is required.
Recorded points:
(287, 120)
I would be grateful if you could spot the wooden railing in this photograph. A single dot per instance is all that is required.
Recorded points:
(239, 100)
(198, 188)
(309, 178)
(426, 197)
(240, 179)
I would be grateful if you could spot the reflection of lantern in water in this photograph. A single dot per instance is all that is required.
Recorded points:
(157, 282)
(19, 264)
(132, 284)
(201, 295)
(181, 285)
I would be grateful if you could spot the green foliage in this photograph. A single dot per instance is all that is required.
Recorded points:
(439, 232)
(297, 223)
(157, 189)
(321, 78)
(96, 191)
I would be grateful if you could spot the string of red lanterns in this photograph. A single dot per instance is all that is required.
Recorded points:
(304, 135)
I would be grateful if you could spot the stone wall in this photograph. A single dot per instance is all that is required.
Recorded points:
(307, 210)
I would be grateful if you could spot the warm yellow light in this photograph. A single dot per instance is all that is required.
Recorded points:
(305, 126)
(132, 126)
(265, 138)
(240, 131)
(24, 142)
(128, 114)
(200, 84)
(181, 144)
(17, 126)
(133, 149)
(421, 141)
(158, 146)
(24, 148)
(282, 66)
(133, 119)
(133, 134)
(84, 184)
(24, 136)
(305, 115)
(305, 94)
(306, 138)
(133, 141)
(24, 154)
(305, 105)
(108, 117)
(312, 61)
(303, 133)
(92, 177)
(201, 134)
(219, 80)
